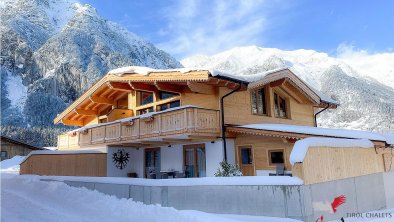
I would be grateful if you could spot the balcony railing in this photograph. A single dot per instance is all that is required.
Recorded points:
(190, 121)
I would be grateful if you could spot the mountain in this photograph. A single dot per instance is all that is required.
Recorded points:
(52, 51)
(365, 103)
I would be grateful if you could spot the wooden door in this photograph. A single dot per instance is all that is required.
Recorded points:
(245, 160)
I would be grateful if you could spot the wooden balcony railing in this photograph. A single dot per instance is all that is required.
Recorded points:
(166, 124)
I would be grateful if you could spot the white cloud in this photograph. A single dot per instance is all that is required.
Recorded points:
(207, 27)
(379, 66)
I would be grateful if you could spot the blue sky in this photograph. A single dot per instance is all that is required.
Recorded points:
(188, 27)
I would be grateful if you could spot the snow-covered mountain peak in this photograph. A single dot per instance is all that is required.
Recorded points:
(365, 103)
(54, 50)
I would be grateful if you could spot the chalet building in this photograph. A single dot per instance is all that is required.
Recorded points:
(11, 148)
(148, 123)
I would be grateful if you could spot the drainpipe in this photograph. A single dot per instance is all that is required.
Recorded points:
(222, 120)
(328, 105)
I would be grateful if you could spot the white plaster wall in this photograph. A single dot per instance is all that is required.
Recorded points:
(230, 147)
(113, 171)
(214, 155)
(172, 157)
(137, 161)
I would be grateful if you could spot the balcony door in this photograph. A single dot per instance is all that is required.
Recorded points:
(152, 161)
(194, 160)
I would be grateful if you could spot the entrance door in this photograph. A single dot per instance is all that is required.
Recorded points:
(152, 161)
(194, 160)
(245, 154)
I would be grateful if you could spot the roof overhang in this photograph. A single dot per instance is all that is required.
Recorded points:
(290, 81)
(379, 143)
(114, 85)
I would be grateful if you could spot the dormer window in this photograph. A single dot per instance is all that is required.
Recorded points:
(259, 106)
(280, 106)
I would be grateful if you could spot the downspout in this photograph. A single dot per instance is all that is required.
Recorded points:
(328, 105)
(223, 136)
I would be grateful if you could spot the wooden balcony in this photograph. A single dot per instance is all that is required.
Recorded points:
(183, 123)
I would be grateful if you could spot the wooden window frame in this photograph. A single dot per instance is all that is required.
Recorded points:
(139, 98)
(240, 154)
(194, 147)
(269, 151)
(266, 104)
(157, 103)
(150, 150)
(287, 103)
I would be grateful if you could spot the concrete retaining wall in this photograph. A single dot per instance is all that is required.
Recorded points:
(363, 194)
(276, 201)
(304, 202)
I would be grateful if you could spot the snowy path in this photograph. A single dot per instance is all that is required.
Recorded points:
(28, 199)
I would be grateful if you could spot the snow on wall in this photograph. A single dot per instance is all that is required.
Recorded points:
(11, 165)
(203, 181)
(301, 147)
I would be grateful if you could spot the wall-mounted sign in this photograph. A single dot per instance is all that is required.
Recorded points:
(120, 159)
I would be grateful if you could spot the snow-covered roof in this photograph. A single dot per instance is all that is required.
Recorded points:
(146, 70)
(320, 131)
(215, 73)
(301, 147)
(59, 152)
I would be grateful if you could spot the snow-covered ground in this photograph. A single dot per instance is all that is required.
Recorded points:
(26, 198)
(11, 165)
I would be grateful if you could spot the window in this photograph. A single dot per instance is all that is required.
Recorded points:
(169, 105)
(280, 106)
(194, 160)
(246, 156)
(259, 102)
(276, 157)
(3, 155)
(166, 95)
(145, 98)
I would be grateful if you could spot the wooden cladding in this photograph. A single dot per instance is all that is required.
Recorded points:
(185, 121)
(323, 164)
(86, 164)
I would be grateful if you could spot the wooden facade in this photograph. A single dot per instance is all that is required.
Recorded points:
(11, 148)
(331, 163)
(238, 110)
(85, 164)
(261, 146)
